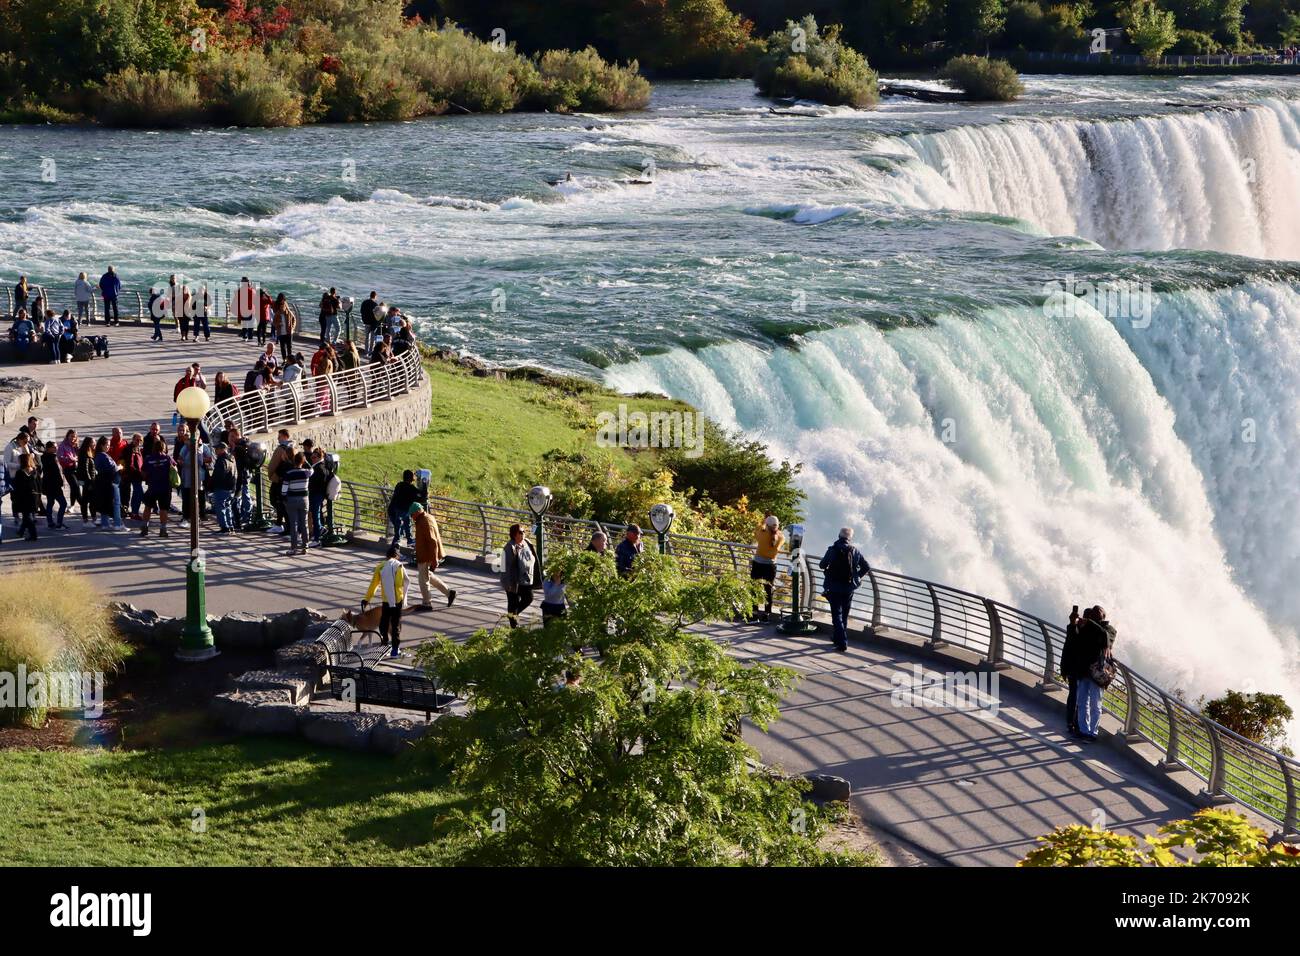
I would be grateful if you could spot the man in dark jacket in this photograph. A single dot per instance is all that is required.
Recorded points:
(843, 567)
(405, 493)
(225, 476)
(1068, 668)
(628, 549)
(110, 286)
(1096, 636)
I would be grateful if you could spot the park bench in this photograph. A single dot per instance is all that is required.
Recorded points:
(363, 685)
(337, 642)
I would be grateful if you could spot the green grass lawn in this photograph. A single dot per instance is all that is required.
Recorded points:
(487, 433)
(265, 802)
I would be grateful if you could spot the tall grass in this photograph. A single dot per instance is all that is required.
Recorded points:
(162, 99)
(53, 619)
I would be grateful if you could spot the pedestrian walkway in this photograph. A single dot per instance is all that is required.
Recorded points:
(954, 786)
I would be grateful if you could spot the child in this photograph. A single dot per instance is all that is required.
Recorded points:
(553, 601)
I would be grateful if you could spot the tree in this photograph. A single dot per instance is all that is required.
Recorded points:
(1210, 838)
(971, 23)
(1289, 30)
(1262, 718)
(1151, 29)
(812, 63)
(641, 762)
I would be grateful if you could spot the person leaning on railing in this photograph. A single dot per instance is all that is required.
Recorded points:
(767, 545)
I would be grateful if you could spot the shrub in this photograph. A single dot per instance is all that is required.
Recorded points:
(1262, 718)
(982, 79)
(455, 69)
(53, 619)
(809, 63)
(1194, 43)
(582, 80)
(246, 90)
(162, 99)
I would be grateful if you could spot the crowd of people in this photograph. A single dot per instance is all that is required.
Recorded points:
(37, 330)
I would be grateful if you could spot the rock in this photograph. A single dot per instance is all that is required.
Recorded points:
(240, 629)
(289, 626)
(397, 734)
(271, 719)
(827, 787)
(131, 621)
(229, 707)
(301, 655)
(350, 731)
(297, 685)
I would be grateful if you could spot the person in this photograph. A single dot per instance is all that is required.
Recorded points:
(82, 293)
(23, 333)
(628, 549)
(246, 299)
(25, 492)
(13, 454)
(52, 486)
(316, 493)
(405, 493)
(117, 445)
(428, 556)
(281, 459)
(67, 455)
(389, 580)
(265, 310)
(201, 305)
(178, 298)
(1069, 668)
(293, 493)
(191, 377)
(1096, 638)
(68, 336)
(382, 353)
(292, 369)
(843, 567)
(241, 450)
(21, 294)
(158, 467)
(370, 320)
(86, 479)
(109, 287)
(554, 604)
(133, 475)
(223, 388)
(599, 542)
(53, 335)
(285, 322)
(157, 311)
(767, 546)
(348, 357)
(108, 489)
(192, 494)
(519, 574)
(330, 304)
(224, 478)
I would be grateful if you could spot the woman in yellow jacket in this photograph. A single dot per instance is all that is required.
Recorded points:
(767, 540)
(390, 580)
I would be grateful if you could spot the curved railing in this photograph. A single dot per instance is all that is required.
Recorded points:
(315, 396)
(1231, 765)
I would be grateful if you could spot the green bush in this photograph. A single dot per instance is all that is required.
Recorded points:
(53, 619)
(810, 63)
(1194, 43)
(583, 81)
(163, 99)
(246, 90)
(982, 79)
(454, 69)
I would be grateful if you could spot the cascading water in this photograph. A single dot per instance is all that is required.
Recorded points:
(1226, 180)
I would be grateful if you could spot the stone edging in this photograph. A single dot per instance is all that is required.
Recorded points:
(19, 396)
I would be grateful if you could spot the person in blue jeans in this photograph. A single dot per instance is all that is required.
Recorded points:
(108, 487)
(109, 287)
(842, 570)
(222, 484)
(1096, 636)
(405, 493)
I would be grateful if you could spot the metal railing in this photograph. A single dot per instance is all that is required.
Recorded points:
(1230, 765)
(1175, 60)
(315, 396)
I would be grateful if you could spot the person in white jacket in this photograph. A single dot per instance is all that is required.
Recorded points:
(83, 291)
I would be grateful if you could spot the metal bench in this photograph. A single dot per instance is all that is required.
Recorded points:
(337, 641)
(363, 685)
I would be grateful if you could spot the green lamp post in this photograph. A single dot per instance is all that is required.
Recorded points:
(539, 502)
(256, 458)
(196, 637)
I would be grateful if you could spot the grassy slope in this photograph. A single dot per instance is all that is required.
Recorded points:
(488, 432)
(267, 802)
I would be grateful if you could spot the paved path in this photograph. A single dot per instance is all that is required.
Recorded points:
(951, 785)
(133, 387)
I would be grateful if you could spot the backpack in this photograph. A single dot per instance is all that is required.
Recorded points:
(333, 487)
(1102, 671)
(250, 380)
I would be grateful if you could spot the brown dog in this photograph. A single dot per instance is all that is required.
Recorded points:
(367, 621)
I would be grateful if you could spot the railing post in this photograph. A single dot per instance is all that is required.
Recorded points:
(356, 508)
(936, 628)
(1049, 666)
(333, 393)
(1171, 752)
(295, 389)
(1290, 823)
(487, 532)
(266, 410)
(1131, 733)
(994, 661)
(875, 599)
(1213, 793)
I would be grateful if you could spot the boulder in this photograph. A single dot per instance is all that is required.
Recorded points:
(300, 655)
(230, 706)
(297, 684)
(350, 731)
(289, 626)
(240, 629)
(131, 621)
(271, 719)
(397, 734)
(828, 788)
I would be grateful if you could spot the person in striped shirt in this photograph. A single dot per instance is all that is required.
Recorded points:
(293, 494)
(389, 580)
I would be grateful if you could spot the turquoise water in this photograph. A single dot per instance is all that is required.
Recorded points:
(864, 291)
